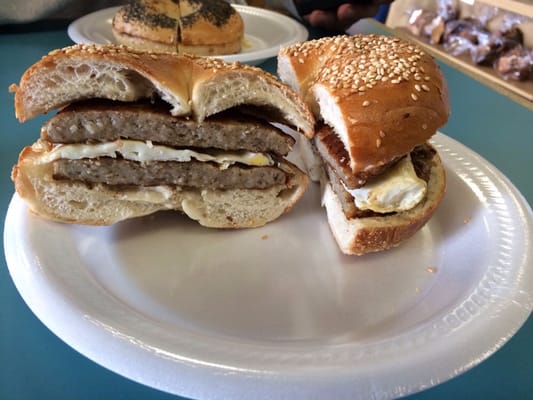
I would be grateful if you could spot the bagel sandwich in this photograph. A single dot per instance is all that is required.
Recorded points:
(378, 100)
(139, 132)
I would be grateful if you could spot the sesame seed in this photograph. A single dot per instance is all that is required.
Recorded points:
(366, 103)
(418, 88)
(358, 62)
(352, 120)
(425, 88)
(378, 142)
(414, 96)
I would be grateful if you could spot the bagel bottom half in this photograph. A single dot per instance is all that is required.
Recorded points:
(359, 236)
(100, 204)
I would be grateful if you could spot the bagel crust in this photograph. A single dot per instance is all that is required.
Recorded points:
(190, 85)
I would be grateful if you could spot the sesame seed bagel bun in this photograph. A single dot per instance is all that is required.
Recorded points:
(378, 100)
(140, 132)
(200, 27)
(190, 85)
(381, 95)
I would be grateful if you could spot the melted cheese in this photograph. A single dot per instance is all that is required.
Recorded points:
(149, 194)
(146, 151)
(398, 189)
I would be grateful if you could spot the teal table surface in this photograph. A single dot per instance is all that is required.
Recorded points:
(35, 364)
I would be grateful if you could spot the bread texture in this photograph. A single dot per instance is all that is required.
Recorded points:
(380, 94)
(193, 86)
(103, 80)
(358, 236)
(199, 27)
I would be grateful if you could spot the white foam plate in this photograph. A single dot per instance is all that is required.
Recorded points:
(277, 312)
(265, 32)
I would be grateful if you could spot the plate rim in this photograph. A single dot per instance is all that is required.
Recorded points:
(299, 32)
(220, 375)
